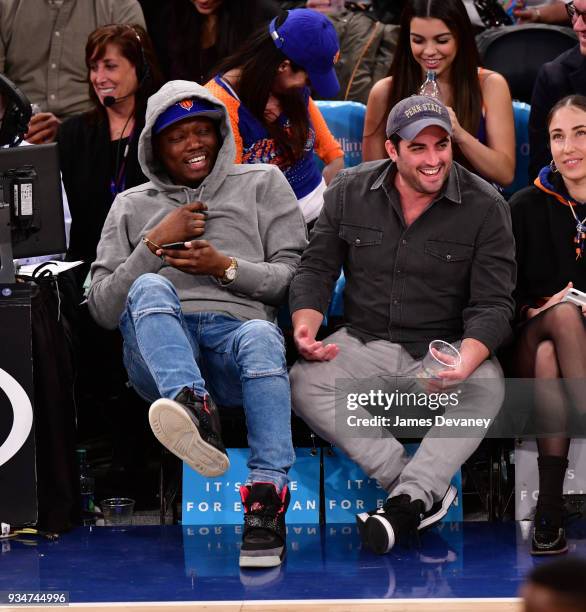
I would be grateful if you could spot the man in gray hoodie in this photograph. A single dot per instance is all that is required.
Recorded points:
(192, 266)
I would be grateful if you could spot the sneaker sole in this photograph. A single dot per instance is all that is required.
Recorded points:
(447, 501)
(380, 535)
(260, 560)
(542, 553)
(180, 435)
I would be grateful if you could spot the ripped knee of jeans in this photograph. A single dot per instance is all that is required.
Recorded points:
(260, 349)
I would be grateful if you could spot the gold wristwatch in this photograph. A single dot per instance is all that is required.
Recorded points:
(230, 272)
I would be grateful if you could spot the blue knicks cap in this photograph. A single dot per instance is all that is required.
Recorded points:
(190, 107)
(309, 39)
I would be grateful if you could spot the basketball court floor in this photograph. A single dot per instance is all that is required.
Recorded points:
(476, 566)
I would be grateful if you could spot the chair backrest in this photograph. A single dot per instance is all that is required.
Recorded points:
(346, 122)
(518, 52)
(521, 112)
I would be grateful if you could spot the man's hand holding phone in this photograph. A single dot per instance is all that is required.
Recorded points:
(196, 257)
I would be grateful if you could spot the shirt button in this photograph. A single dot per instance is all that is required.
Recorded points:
(53, 66)
(448, 257)
(395, 302)
(52, 96)
(57, 33)
(399, 271)
(404, 242)
(357, 241)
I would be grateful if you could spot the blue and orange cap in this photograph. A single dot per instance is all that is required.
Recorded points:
(309, 39)
(190, 107)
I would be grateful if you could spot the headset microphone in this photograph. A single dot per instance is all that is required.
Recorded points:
(111, 100)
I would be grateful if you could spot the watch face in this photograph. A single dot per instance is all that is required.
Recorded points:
(230, 274)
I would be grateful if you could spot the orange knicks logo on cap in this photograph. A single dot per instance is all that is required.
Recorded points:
(186, 104)
(336, 57)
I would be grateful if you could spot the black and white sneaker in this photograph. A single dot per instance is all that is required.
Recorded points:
(439, 509)
(189, 426)
(264, 537)
(435, 514)
(397, 523)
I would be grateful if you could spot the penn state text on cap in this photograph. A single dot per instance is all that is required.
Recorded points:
(309, 39)
(190, 107)
(411, 115)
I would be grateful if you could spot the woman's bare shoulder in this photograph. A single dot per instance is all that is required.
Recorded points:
(381, 90)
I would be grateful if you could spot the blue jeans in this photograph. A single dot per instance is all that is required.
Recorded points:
(239, 363)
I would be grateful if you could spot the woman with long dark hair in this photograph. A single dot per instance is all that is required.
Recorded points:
(437, 36)
(98, 149)
(549, 222)
(265, 87)
(203, 32)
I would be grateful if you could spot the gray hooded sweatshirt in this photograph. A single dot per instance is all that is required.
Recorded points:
(253, 216)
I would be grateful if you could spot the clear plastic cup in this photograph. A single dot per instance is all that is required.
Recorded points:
(440, 356)
(117, 511)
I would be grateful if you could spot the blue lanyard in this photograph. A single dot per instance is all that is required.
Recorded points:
(118, 183)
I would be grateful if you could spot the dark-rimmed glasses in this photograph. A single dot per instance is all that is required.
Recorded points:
(574, 14)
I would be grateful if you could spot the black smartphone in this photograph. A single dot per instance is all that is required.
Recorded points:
(174, 245)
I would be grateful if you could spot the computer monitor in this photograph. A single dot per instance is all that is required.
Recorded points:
(31, 206)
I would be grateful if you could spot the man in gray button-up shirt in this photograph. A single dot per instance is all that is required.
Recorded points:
(428, 253)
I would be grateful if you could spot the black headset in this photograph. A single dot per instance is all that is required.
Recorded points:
(144, 71)
(17, 113)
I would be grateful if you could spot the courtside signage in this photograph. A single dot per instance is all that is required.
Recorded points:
(217, 500)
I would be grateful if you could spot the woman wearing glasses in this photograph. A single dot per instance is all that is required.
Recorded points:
(563, 76)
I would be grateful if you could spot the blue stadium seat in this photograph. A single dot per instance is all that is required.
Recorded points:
(346, 122)
(521, 111)
(336, 308)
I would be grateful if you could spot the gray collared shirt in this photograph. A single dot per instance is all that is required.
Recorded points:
(449, 275)
(42, 47)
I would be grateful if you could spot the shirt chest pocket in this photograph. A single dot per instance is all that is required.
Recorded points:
(447, 263)
(365, 244)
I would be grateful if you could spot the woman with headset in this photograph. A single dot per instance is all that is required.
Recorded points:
(98, 149)
(99, 159)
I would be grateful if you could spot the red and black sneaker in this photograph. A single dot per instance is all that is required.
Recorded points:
(189, 426)
(264, 537)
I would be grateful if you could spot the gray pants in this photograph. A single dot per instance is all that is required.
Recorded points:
(427, 475)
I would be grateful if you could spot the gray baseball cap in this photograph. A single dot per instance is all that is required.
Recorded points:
(411, 115)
